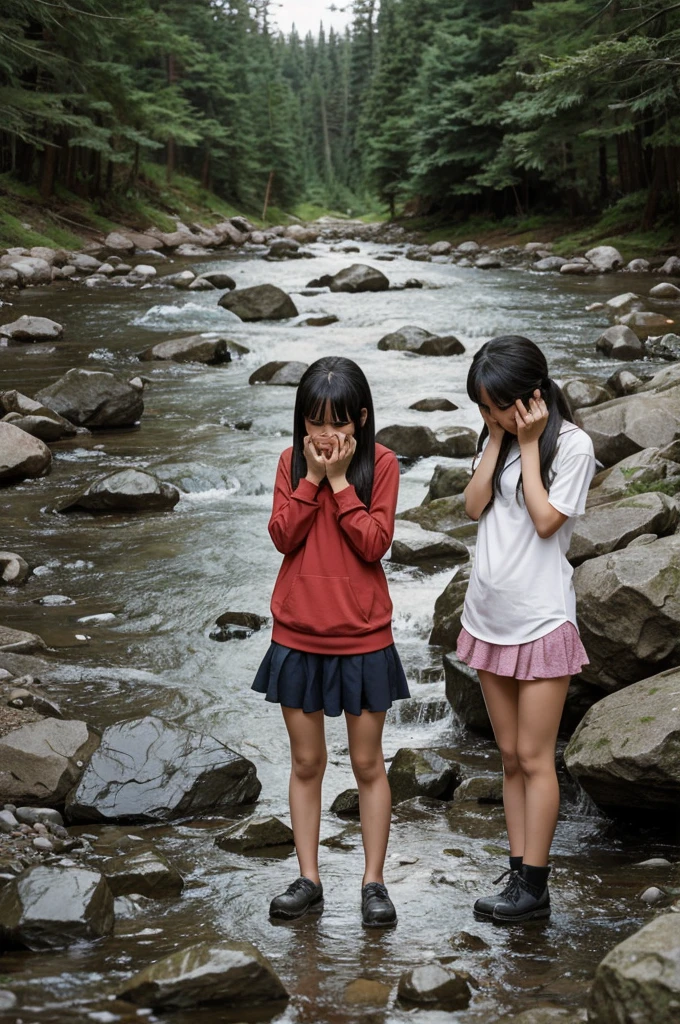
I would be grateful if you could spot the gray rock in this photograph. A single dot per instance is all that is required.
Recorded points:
(150, 770)
(359, 278)
(666, 347)
(43, 843)
(643, 324)
(629, 612)
(261, 302)
(653, 895)
(443, 515)
(31, 328)
(639, 979)
(605, 258)
(433, 405)
(545, 1015)
(319, 321)
(7, 822)
(671, 267)
(638, 266)
(414, 442)
(609, 527)
(619, 342)
(430, 772)
(237, 626)
(119, 242)
(84, 263)
(467, 248)
(574, 267)
(640, 471)
(434, 987)
(93, 398)
(346, 804)
(180, 280)
(145, 872)
(196, 348)
(420, 341)
(219, 279)
(199, 284)
(233, 974)
(256, 834)
(49, 907)
(279, 373)
(627, 425)
(465, 694)
(447, 480)
(20, 642)
(581, 394)
(43, 815)
(440, 249)
(414, 546)
(14, 569)
(41, 761)
(130, 490)
(488, 262)
(627, 302)
(480, 789)
(623, 382)
(21, 454)
(665, 290)
(549, 263)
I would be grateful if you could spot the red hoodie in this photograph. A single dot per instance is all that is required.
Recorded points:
(331, 594)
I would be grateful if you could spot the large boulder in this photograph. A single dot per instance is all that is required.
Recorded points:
(414, 546)
(30, 328)
(359, 278)
(641, 471)
(21, 454)
(581, 394)
(149, 770)
(118, 242)
(549, 263)
(464, 694)
(195, 349)
(143, 871)
(424, 343)
(443, 515)
(128, 490)
(612, 526)
(288, 374)
(431, 772)
(415, 442)
(625, 751)
(627, 302)
(233, 974)
(665, 290)
(18, 641)
(626, 425)
(639, 979)
(629, 612)
(447, 480)
(52, 906)
(261, 302)
(36, 419)
(448, 609)
(665, 347)
(643, 324)
(93, 398)
(605, 258)
(41, 761)
(619, 342)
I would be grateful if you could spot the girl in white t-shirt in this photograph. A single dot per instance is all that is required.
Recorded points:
(519, 619)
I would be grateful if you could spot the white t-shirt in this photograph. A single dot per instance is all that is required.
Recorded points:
(521, 584)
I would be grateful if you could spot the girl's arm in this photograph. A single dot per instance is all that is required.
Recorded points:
(294, 511)
(369, 531)
(478, 492)
(530, 426)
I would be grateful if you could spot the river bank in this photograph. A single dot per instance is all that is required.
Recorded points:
(148, 588)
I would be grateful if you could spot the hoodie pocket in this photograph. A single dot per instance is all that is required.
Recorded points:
(327, 605)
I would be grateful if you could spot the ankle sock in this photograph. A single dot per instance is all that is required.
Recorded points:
(515, 863)
(534, 876)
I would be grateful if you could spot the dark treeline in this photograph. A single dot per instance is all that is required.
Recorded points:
(502, 107)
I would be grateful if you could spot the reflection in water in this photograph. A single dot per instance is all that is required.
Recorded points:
(166, 577)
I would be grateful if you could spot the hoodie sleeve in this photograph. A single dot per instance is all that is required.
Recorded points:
(293, 512)
(370, 531)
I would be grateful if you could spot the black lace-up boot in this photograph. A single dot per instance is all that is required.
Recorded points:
(377, 909)
(484, 906)
(529, 899)
(301, 897)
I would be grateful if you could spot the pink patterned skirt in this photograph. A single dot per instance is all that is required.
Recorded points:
(559, 653)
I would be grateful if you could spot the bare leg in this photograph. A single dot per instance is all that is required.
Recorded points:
(364, 733)
(501, 699)
(308, 763)
(540, 708)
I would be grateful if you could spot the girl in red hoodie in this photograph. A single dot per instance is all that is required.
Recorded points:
(332, 650)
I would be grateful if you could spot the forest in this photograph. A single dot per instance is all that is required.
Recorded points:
(502, 107)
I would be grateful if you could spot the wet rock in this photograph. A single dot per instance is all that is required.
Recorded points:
(42, 815)
(415, 442)
(302, 233)
(574, 267)
(627, 425)
(14, 569)
(7, 822)
(83, 262)
(20, 642)
(444, 515)
(199, 284)
(638, 266)
(142, 241)
(412, 282)
(359, 278)
(237, 626)
(549, 263)
(467, 248)
(256, 834)
(429, 772)
(93, 398)
(34, 418)
(31, 328)
(181, 280)
(639, 979)
(644, 324)
(196, 349)
(365, 992)
(488, 262)
(446, 481)
(424, 343)
(481, 789)
(279, 373)
(653, 895)
(21, 455)
(145, 872)
(623, 382)
(433, 405)
(434, 987)
(32, 270)
(233, 974)
(605, 258)
(119, 242)
(9, 277)
(627, 302)
(440, 249)
(319, 321)
(614, 525)
(219, 279)
(580, 394)
(412, 545)
(465, 695)
(665, 290)
(346, 804)
(130, 490)
(546, 1015)
(619, 342)
(448, 609)
(624, 752)
(671, 268)
(42, 843)
(41, 761)
(629, 612)
(666, 347)
(261, 302)
(141, 274)
(283, 248)
(150, 770)
(49, 907)
(662, 381)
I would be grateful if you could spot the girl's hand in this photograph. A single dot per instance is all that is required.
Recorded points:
(531, 422)
(496, 431)
(337, 463)
(316, 465)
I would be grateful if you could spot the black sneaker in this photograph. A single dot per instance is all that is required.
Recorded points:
(301, 897)
(377, 909)
(484, 906)
(525, 902)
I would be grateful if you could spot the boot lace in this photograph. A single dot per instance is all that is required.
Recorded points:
(512, 883)
(375, 889)
(299, 883)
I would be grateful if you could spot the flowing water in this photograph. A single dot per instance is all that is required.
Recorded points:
(160, 580)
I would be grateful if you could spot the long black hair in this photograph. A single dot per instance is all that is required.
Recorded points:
(341, 382)
(512, 367)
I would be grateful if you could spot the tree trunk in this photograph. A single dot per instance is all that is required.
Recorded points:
(267, 195)
(604, 181)
(206, 167)
(48, 171)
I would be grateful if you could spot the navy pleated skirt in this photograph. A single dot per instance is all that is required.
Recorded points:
(331, 683)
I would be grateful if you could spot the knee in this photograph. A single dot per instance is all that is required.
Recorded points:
(533, 764)
(367, 769)
(307, 767)
(510, 761)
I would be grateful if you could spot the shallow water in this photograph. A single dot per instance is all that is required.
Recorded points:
(166, 577)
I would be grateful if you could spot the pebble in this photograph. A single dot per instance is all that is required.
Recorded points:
(652, 895)
(42, 814)
(7, 821)
(42, 843)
